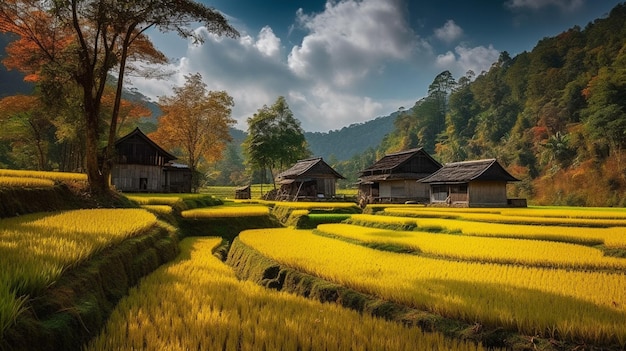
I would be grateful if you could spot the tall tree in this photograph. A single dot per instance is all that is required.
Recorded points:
(195, 120)
(275, 138)
(89, 39)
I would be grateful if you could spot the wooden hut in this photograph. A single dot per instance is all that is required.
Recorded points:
(480, 183)
(243, 192)
(143, 166)
(310, 179)
(393, 178)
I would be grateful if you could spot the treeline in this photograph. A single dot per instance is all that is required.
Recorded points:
(555, 116)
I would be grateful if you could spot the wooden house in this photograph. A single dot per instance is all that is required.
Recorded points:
(393, 178)
(143, 166)
(310, 179)
(480, 183)
(243, 192)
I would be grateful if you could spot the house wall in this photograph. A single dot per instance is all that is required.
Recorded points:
(403, 190)
(326, 186)
(177, 181)
(133, 177)
(487, 193)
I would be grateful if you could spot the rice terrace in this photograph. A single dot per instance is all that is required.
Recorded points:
(208, 272)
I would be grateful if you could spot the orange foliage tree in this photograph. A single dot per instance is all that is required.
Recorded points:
(85, 41)
(195, 120)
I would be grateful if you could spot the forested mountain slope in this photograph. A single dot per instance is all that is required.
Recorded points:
(344, 143)
(555, 116)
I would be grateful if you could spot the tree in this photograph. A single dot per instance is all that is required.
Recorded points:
(86, 40)
(25, 126)
(195, 120)
(275, 138)
(605, 116)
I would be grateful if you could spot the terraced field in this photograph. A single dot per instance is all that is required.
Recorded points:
(549, 273)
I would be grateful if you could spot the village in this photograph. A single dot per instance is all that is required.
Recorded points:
(406, 177)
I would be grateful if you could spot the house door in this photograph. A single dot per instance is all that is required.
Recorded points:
(143, 183)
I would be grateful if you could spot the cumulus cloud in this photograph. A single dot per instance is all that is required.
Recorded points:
(331, 78)
(350, 39)
(463, 59)
(449, 33)
(565, 5)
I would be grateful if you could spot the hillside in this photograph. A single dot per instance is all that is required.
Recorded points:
(554, 116)
(342, 144)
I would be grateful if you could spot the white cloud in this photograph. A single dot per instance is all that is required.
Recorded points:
(565, 5)
(449, 33)
(350, 40)
(268, 43)
(330, 78)
(463, 59)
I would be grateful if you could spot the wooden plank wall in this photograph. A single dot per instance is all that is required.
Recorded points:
(127, 177)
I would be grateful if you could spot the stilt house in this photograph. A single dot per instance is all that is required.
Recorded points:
(310, 179)
(480, 183)
(393, 178)
(143, 166)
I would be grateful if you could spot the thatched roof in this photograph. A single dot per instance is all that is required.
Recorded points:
(464, 172)
(309, 169)
(392, 161)
(137, 133)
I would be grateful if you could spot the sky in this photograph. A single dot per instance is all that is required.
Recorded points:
(339, 62)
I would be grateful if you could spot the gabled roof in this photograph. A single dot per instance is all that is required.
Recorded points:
(138, 133)
(309, 167)
(392, 161)
(464, 172)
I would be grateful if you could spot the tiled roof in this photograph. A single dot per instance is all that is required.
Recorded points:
(463, 172)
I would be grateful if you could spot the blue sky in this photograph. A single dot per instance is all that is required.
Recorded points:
(339, 62)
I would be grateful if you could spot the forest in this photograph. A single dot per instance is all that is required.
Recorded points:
(555, 117)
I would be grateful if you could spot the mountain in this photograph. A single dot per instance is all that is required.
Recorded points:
(343, 144)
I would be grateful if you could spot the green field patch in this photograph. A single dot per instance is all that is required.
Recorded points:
(312, 220)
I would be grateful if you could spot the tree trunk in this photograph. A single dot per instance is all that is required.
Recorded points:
(98, 180)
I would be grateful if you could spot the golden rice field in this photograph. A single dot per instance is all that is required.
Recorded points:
(154, 200)
(482, 249)
(523, 216)
(159, 209)
(25, 182)
(197, 303)
(226, 211)
(36, 248)
(54, 176)
(613, 237)
(571, 305)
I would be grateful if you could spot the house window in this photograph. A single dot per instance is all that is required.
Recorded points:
(440, 192)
